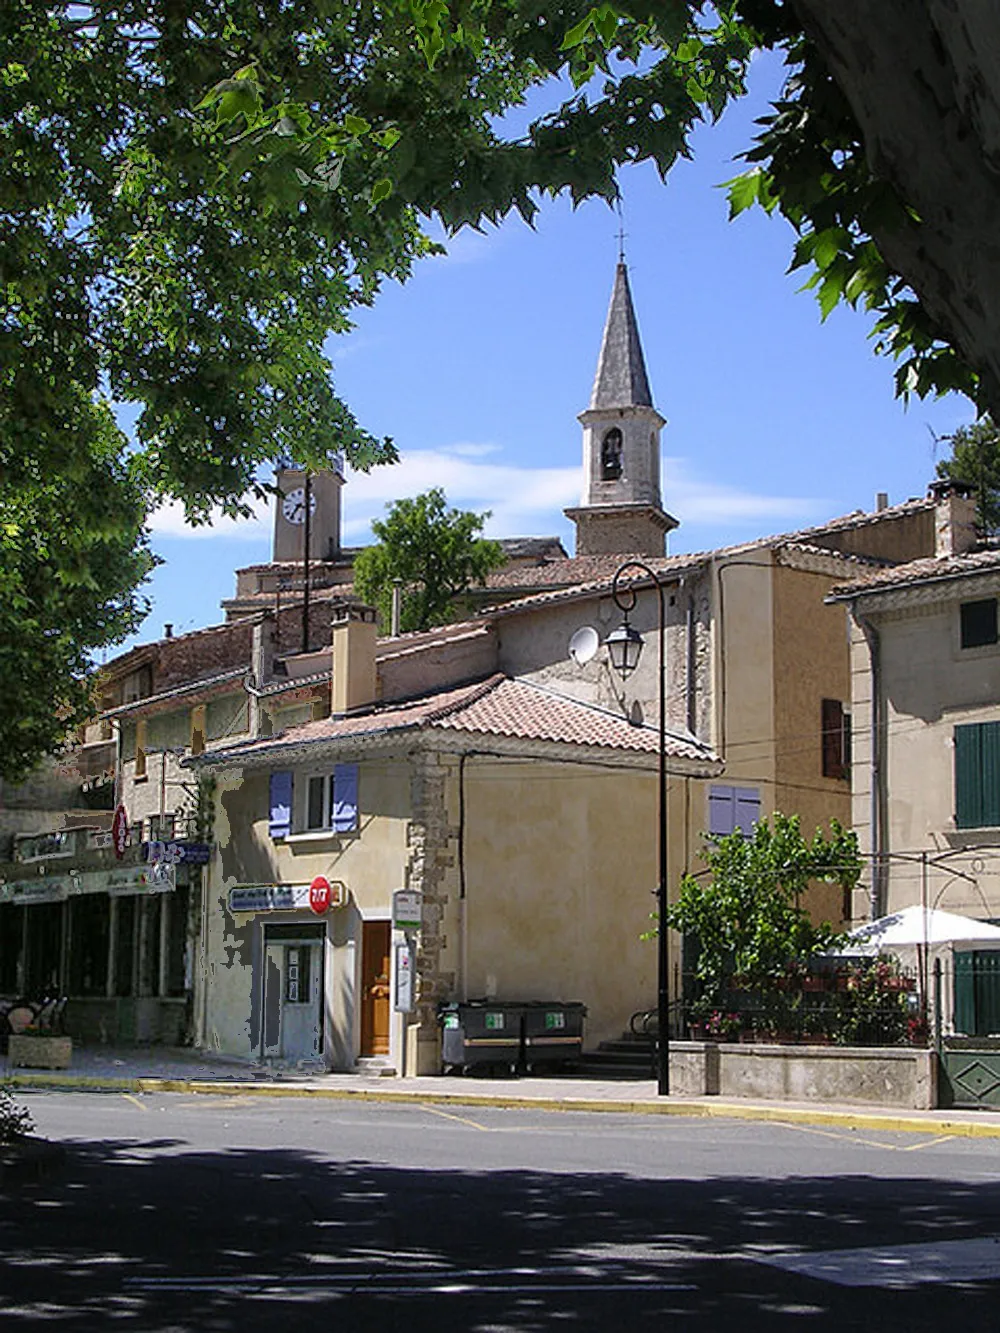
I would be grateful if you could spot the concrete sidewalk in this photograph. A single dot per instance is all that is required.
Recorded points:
(164, 1069)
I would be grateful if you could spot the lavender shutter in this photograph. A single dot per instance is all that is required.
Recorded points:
(344, 805)
(280, 816)
(720, 811)
(747, 809)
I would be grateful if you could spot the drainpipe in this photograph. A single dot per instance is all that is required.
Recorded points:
(876, 815)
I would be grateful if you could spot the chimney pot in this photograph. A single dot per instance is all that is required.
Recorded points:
(881, 501)
(168, 630)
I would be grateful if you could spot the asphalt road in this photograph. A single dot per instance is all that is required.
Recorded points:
(179, 1212)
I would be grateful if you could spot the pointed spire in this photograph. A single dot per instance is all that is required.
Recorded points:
(621, 379)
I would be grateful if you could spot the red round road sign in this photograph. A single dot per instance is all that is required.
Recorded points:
(320, 895)
(119, 831)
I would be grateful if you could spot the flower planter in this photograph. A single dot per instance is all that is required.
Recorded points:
(30, 1051)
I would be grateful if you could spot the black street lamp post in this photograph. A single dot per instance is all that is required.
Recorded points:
(625, 648)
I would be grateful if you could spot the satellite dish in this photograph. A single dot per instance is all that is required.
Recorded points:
(584, 644)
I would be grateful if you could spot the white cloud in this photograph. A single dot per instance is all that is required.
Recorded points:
(523, 501)
(168, 520)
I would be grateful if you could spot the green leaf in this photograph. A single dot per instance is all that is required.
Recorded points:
(381, 190)
(356, 125)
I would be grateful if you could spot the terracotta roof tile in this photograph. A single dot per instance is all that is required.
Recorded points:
(921, 571)
(499, 707)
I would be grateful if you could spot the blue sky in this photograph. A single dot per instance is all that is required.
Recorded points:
(478, 366)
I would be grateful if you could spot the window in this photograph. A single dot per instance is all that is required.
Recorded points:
(732, 808)
(977, 775)
(979, 623)
(836, 735)
(326, 801)
(332, 800)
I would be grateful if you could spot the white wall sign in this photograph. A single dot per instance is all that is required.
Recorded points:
(280, 897)
(404, 978)
(407, 909)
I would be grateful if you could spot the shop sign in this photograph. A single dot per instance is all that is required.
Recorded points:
(176, 853)
(320, 895)
(283, 897)
(132, 879)
(119, 831)
(407, 909)
(46, 889)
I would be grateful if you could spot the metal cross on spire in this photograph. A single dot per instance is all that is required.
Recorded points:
(621, 232)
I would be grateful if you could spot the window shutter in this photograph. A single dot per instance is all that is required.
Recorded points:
(990, 750)
(968, 777)
(344, 805)
(832, 723)
(280, 819)
(721, 811)
(747, 812)
(198, 729)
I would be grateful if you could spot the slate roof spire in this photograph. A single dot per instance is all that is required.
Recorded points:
(621, 379)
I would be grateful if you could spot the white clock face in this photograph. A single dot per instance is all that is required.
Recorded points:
(293, 506)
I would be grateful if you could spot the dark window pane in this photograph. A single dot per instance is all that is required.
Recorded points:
(177, 942)
(44, 953)
(89, 929)
(315, 814)
(125, 947)
(979, 623)
(11, 934)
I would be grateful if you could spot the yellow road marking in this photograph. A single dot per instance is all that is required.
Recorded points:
(872, 1143)
(462, 1119)
(135, 1101)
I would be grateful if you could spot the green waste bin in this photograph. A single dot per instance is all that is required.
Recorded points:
(481, 1032)
(553, 1032)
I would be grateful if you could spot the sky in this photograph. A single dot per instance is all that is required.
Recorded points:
(479, 365)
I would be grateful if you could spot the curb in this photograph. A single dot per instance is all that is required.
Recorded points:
(846, 1118)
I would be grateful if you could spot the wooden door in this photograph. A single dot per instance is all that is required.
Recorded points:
(375, 988)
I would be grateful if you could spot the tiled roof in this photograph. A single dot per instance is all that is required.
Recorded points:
(499, 707)
(930, 570)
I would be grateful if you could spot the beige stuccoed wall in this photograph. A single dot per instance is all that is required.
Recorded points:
(370, 863)
(811, 663)
(560, 864)
(930, 685)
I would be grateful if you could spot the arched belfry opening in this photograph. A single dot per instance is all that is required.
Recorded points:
(611, 455)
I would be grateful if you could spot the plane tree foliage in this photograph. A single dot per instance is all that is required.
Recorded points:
(435, 553)
(195, 195)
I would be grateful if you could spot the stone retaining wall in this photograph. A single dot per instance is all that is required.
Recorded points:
(878, 1076)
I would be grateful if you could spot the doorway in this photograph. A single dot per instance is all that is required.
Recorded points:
(375, 954)
(293, 992)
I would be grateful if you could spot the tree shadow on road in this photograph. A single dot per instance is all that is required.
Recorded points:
(154, 1236)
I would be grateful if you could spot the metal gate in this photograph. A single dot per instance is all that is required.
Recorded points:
(969, 1059)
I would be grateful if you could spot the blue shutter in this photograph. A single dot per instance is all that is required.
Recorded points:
(747, 812)
(280, 818)
(344, 805)
(721, 811)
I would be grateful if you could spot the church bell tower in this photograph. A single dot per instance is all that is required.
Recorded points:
(620, 512)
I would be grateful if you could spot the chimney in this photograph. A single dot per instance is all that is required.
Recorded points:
(881, 501)
(261, 666)
(355, 680)
(168, 630)
(955, 530)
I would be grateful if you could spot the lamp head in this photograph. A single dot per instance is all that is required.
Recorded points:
(624, 646)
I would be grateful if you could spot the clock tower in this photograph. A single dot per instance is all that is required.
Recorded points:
(620, 512)
(324, 511)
